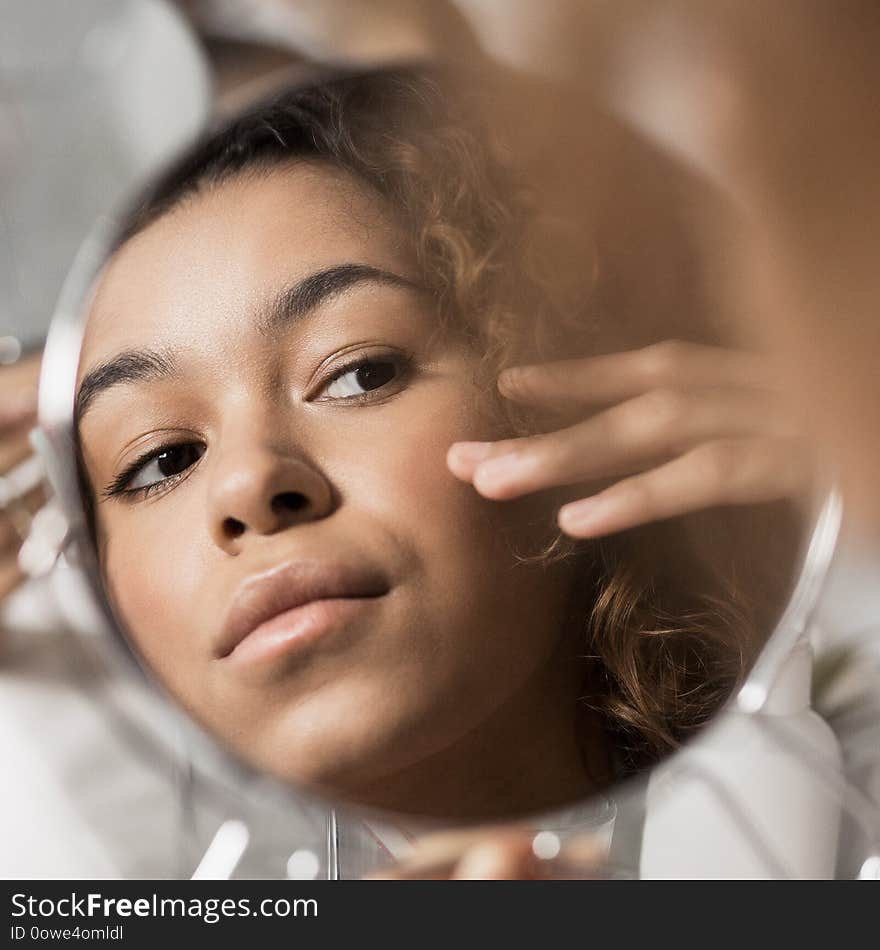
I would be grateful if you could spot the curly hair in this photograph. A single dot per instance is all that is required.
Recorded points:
(672, 613)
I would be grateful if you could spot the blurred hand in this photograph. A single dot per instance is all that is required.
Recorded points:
(781, 116)
(497, 854)
(677, 427)
(340, 31)
(18, 415)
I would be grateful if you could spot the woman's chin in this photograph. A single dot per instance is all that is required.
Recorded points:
(322, 763)
(365, 767)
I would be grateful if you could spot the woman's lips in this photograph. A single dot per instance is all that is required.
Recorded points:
(290, 606)
(296, 629)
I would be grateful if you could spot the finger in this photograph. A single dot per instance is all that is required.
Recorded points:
(439, 855)
(11, 527)
(583, 853)
(10, 539)
(11, 576)
(17, 412)
(18, 393)
(15, 447)
(421, 870)
(718, 473)
(501, 858)
(433, 856)
(645, 430)
(605, 379)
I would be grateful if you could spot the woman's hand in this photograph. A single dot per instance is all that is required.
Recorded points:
(498, 854)
(677, 427)
(18, 415)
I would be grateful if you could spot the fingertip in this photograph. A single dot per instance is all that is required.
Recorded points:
(583, 519)
(462, 458)
(513, 381)
(485, 485)
(502, 478)
(457, 466)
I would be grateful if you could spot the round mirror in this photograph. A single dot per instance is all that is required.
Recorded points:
(414, 481)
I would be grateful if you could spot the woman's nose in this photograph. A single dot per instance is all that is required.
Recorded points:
(263, 491)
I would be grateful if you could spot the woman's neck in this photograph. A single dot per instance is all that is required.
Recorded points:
(528, 757)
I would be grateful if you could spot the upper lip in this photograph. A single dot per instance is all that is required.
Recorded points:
(266, 595)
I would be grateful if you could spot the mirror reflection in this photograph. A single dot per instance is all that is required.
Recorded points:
(392, 493)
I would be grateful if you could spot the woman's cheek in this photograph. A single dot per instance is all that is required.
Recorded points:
(394, 465)
(153, 578)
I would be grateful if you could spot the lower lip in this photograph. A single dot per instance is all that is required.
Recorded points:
(295, 630)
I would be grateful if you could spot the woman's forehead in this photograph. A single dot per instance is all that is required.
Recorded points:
(211, 256)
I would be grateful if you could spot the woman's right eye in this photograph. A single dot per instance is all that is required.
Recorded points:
(157, 469)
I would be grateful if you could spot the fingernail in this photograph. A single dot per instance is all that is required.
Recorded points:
(581, 517)
(471, 451)
(496, 471)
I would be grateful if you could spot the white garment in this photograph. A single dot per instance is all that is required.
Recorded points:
(98, 779)
(76, 801)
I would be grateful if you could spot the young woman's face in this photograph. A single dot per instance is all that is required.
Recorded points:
(267, 403)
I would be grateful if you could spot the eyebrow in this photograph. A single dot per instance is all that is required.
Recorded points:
(128, 367)
(292, 304)
(307, 294)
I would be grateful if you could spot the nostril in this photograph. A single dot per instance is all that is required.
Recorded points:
(284, 503)
(233, 528)
(289, 501)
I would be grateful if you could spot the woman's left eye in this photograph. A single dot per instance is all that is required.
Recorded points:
(159, 469)
(363, 378)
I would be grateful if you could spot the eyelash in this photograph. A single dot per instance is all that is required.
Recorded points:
(403, 365)
(118, 485)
